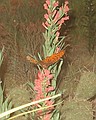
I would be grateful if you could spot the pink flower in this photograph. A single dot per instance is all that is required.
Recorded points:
(54, 12)
(46, 16)
(57, 49)
(49, 12)
(66, 8)
(45, 6)
(56, 17)
(49, 89)
(47, 24)
(44, 25)
(59, 27)
(57, 35)
(47, 117)
(66, 2)
(48, 82)
(66, 18)
(38, 88)
(38, 85)
(61, 8)
(61, 21)
(47, 74)
(56, 4)
(49, 103)
(43, 77)
(40, 75)
(48, 2)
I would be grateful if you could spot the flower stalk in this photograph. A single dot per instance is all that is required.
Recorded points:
(45, 83)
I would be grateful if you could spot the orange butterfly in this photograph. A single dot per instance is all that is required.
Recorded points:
(48, 60)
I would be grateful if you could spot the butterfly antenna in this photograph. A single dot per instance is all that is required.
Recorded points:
(66, 46)
(30, 55)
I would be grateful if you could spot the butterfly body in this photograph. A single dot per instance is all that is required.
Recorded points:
(48, 60)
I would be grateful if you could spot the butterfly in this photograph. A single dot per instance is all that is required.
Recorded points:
(48, 60)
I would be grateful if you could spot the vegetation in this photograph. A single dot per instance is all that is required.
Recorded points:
(21, 35)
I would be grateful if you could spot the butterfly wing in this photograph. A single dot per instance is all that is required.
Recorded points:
(52, 59)
(32, 60)
(48, 60)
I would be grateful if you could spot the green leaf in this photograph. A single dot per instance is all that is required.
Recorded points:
(45, 35)
(6, 105)
(1, 95)
(39, 56)
(44, 51)
(51, 51)
(56, 116)
(52, 38)
(31, 85)
(60, 41)
(1, 55)
(59, 68)
(10, 105)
